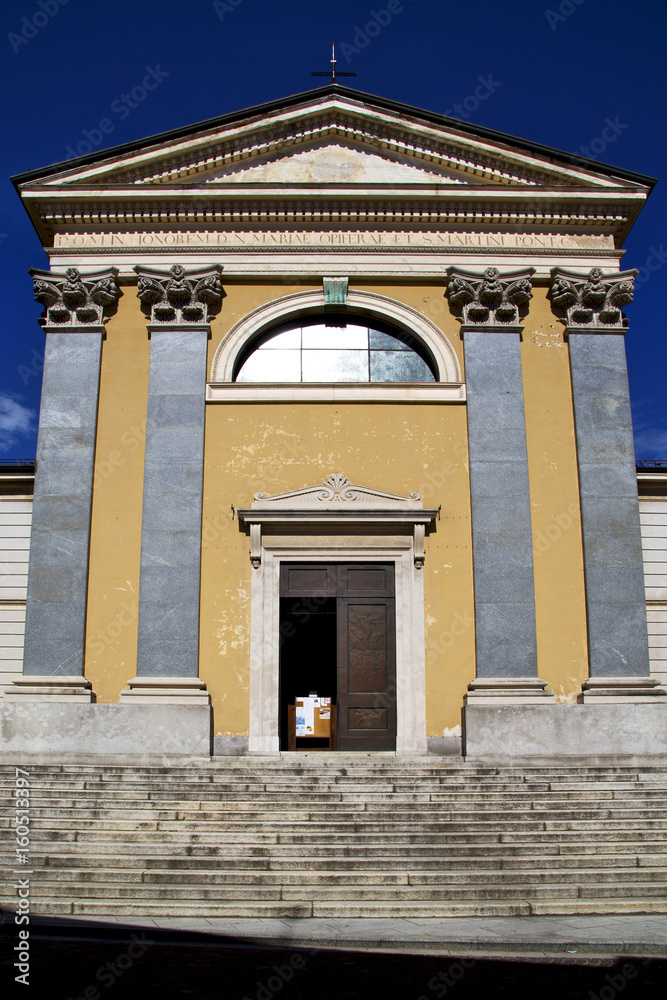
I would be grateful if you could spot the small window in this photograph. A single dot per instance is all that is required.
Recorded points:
(335, 349)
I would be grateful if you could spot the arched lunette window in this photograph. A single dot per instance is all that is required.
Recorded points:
(335, 348)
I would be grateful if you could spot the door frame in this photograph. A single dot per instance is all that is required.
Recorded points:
(265, 625)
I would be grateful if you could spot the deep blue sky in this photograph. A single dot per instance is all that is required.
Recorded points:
(560, 69)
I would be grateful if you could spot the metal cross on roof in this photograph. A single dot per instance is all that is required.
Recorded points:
(333, 73)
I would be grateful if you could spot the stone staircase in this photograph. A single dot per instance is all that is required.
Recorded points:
(333, 835)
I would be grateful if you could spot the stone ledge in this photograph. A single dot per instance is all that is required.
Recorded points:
(101, 730)
(550, 731)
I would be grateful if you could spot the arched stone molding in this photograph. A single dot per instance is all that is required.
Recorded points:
(448, 387)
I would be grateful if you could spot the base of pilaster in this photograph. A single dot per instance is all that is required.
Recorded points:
(230, 746)
(166, 691)
(507, 691)
(620, 691)
(48, 688)
(411, 745)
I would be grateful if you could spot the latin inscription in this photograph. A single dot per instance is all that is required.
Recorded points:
(363, 239)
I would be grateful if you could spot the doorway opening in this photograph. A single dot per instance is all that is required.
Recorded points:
(337, 639)
(307, 656)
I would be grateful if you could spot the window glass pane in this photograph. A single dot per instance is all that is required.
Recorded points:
(385, 342)
(335, 348)
(287, 340)
(271, 366)
(396, 366)
(320, 335)
(335, 366)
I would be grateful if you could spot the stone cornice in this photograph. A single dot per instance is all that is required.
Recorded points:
(74, 300)
(578, 212)
(593, 302)
(337, 505)
(450, 147)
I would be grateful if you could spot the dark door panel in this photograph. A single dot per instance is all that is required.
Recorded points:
(307, 580)
(366, 674)
(361, 580)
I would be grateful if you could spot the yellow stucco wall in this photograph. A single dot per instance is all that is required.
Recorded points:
(277, 447)
(115, 544)
(554, 494)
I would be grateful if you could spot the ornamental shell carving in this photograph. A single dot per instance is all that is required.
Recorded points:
(336, 489)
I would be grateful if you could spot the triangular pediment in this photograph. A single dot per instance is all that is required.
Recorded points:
(336, 492)
(331, 139)
(339, 143)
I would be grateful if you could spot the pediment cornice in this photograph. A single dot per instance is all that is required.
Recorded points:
(253, 166)
(335, 493)
(447, 150)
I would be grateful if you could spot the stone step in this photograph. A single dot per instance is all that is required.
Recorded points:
(424, 804)
(351, 894)
(287, 778)
(364, 823)
(418, 812)
(558, 853)
(374, 838)
(230, 893)
(409, 910)
(208, 876)
(369, 909)
(451, 864)
(280, 910)
(588, 907)
(436, 793)
(348, 834)
(373, 776)
(325, 786)
(341, 761)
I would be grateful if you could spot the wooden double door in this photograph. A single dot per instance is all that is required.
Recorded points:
(347, 617)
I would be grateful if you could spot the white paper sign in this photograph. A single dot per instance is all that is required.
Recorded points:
(305, 715)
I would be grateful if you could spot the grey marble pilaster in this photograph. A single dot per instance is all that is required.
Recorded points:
(58, 566)
(168, 644)
(613, 566)
(501, 518)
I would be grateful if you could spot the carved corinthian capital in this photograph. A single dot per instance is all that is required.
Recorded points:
(176, 297)
(594, 301)
(491, 299)
(75, 299)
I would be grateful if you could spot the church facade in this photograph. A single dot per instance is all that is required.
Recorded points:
(335, 400)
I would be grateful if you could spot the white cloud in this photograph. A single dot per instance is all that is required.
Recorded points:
(16, 421)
